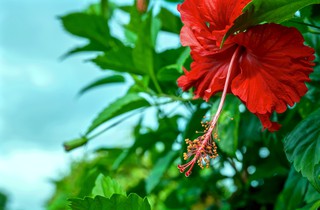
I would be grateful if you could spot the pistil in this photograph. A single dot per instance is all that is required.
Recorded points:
(204, 147)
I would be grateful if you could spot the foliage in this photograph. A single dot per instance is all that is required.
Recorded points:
(3, 201)
(108, 194)
(255, 169)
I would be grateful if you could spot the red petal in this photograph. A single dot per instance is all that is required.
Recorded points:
(267, 124)
(208, 74)
(197, 14)
(274, 68)
(221, 14)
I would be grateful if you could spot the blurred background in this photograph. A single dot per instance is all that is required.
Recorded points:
(39, 103)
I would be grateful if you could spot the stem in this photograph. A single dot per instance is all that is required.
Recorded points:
(112, 125)
(155, 82)
(104, 8)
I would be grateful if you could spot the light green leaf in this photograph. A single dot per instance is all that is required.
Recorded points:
(302, 147)
(105, 186)
(103, 81)
(159, 169)
(293, 193)
(271, 11)
(116, 202)
(122, 105)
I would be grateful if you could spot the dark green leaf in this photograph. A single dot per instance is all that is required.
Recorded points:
(103, 81)
(268, 168)
(105, 186)
(116, 202)
(293, 193)
(311, 195)
(314, 41)
(302, 147)
(159, 169)
(311, 206)
(122, 105)
(3, 201)
(275, 11)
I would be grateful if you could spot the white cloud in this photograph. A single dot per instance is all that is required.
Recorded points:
(25, 176)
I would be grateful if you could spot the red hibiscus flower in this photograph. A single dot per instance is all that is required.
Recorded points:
(266, 66)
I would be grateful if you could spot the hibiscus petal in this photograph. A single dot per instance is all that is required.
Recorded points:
(220, 14)
(267, 124)
(208, 20)
(275, 65)
(208, 73)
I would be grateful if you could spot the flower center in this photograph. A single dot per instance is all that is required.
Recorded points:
(204, 147)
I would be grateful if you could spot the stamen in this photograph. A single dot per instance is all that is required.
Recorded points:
(204, 147)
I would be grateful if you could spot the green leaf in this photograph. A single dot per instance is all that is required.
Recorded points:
(91, 47)
(118, 59)
(302, 147)
(166, 133)
(159, 169)
(144, 46)
(311, 195)
(275, 11)
(183, 58)
(116, 202)
(93, 27)
(169, 21)
(168, 73)
(229, 126)
(3, 201)
(122, 105)
(105, 186)
(176, 57)
(311, 206)
(268, 167)
(293, 193)
(103, 81)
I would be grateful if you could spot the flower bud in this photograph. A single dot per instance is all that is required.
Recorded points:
(142, 5)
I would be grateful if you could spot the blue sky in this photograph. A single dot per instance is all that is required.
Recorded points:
(39, 107)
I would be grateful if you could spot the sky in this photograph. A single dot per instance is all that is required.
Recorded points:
(39, 103)
(39, 106)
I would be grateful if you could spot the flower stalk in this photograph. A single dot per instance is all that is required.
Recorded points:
(204, 147)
